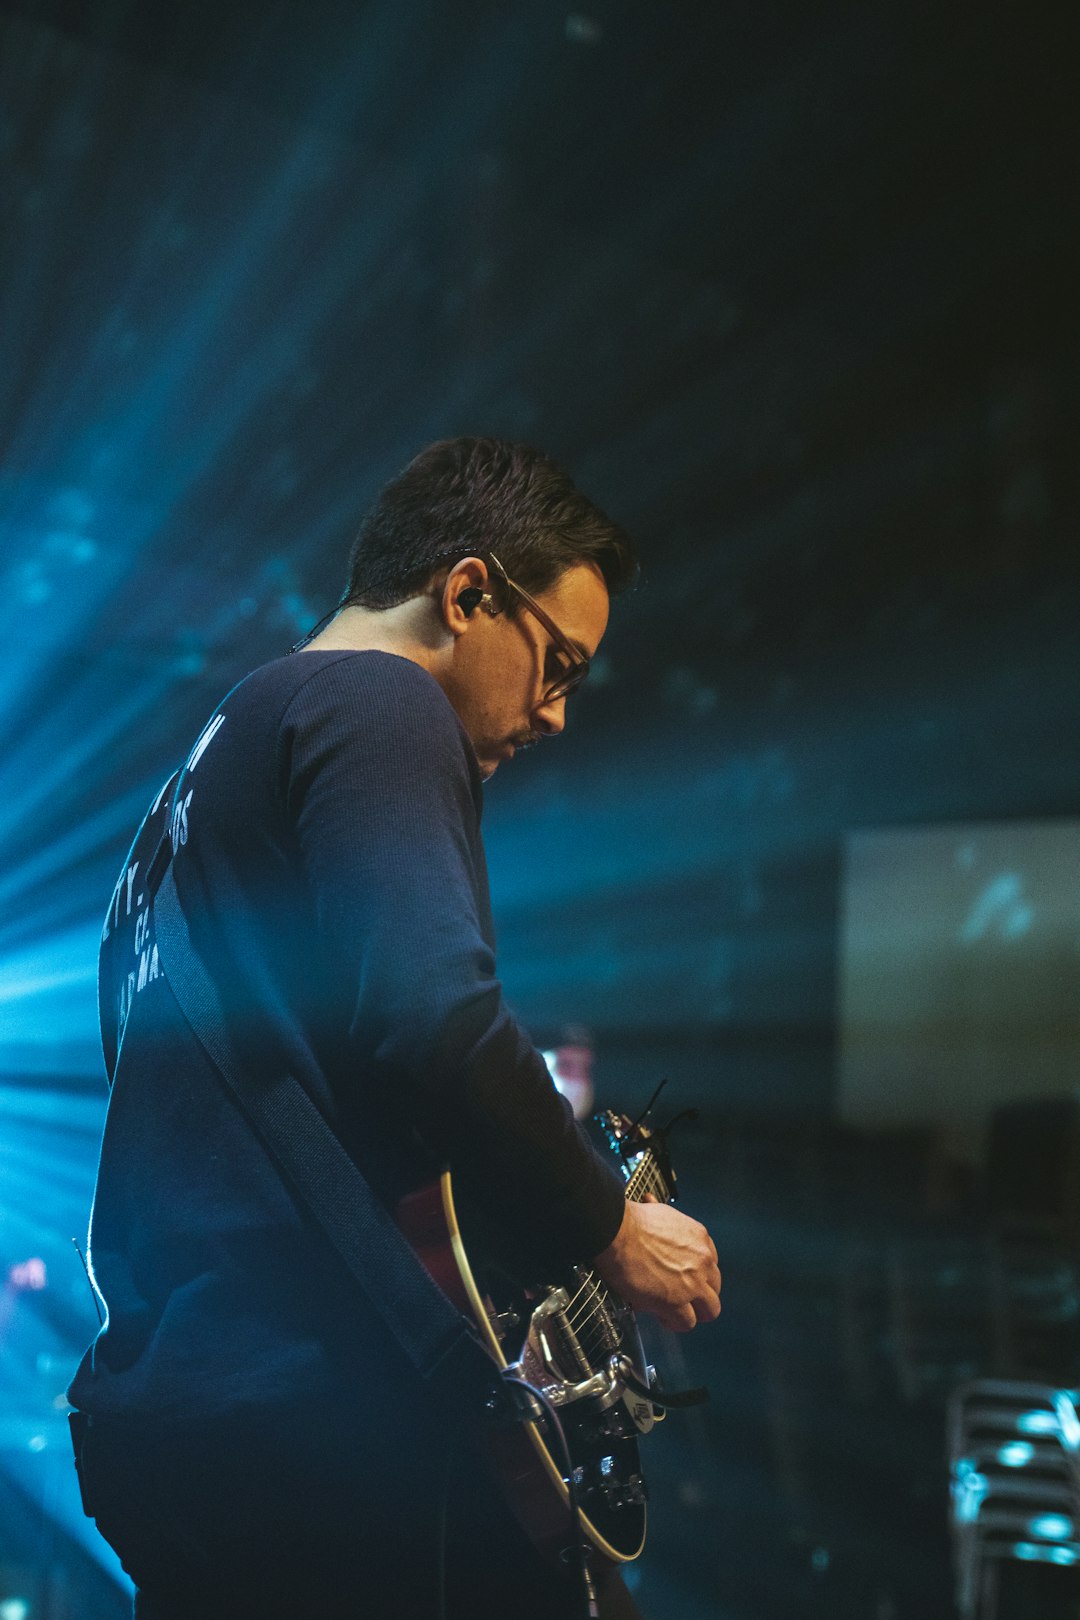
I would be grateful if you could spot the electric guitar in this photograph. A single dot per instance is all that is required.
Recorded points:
(575, 1343)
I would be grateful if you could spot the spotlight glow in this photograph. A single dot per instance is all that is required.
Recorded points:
(1015, 1454)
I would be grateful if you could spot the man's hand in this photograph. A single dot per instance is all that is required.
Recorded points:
(663, 1262)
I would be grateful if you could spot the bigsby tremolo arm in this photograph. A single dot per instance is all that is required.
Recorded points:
(551, 1336)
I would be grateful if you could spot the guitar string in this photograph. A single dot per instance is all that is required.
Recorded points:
(645, 1178)
(646, 1171)
(631, 1189)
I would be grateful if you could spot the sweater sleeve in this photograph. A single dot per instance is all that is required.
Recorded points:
(383, 792)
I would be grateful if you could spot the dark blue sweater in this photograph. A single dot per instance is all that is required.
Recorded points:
(329, 861)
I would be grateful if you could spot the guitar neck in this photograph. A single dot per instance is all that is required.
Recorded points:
(646, 1178)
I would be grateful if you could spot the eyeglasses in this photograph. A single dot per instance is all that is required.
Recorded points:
(574, 670)
(569, 674)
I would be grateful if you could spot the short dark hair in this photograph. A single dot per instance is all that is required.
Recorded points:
(471, 496)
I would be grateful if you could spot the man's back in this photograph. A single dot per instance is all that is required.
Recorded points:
(328, 858)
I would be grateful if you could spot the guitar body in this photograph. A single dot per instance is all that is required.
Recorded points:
(576, 1342)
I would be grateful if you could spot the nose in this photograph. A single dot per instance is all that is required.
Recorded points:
(550, 718)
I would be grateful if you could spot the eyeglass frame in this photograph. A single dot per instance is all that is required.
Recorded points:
(579, 662)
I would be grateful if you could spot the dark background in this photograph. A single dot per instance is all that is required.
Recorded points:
(791, 290)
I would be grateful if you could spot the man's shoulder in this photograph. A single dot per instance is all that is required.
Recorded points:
(358, 674)
(364, 699)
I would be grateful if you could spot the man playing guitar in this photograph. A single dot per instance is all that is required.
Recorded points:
(250, 1438)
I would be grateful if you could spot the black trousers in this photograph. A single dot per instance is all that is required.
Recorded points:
(350, 1515)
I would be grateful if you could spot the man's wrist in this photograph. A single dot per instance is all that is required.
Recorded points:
(622, 1235)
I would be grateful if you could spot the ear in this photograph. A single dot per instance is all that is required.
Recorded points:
(464, 590)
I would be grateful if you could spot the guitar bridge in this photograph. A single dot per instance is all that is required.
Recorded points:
(553, 1358)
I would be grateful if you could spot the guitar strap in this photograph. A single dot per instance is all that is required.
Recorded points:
(438, 1340)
